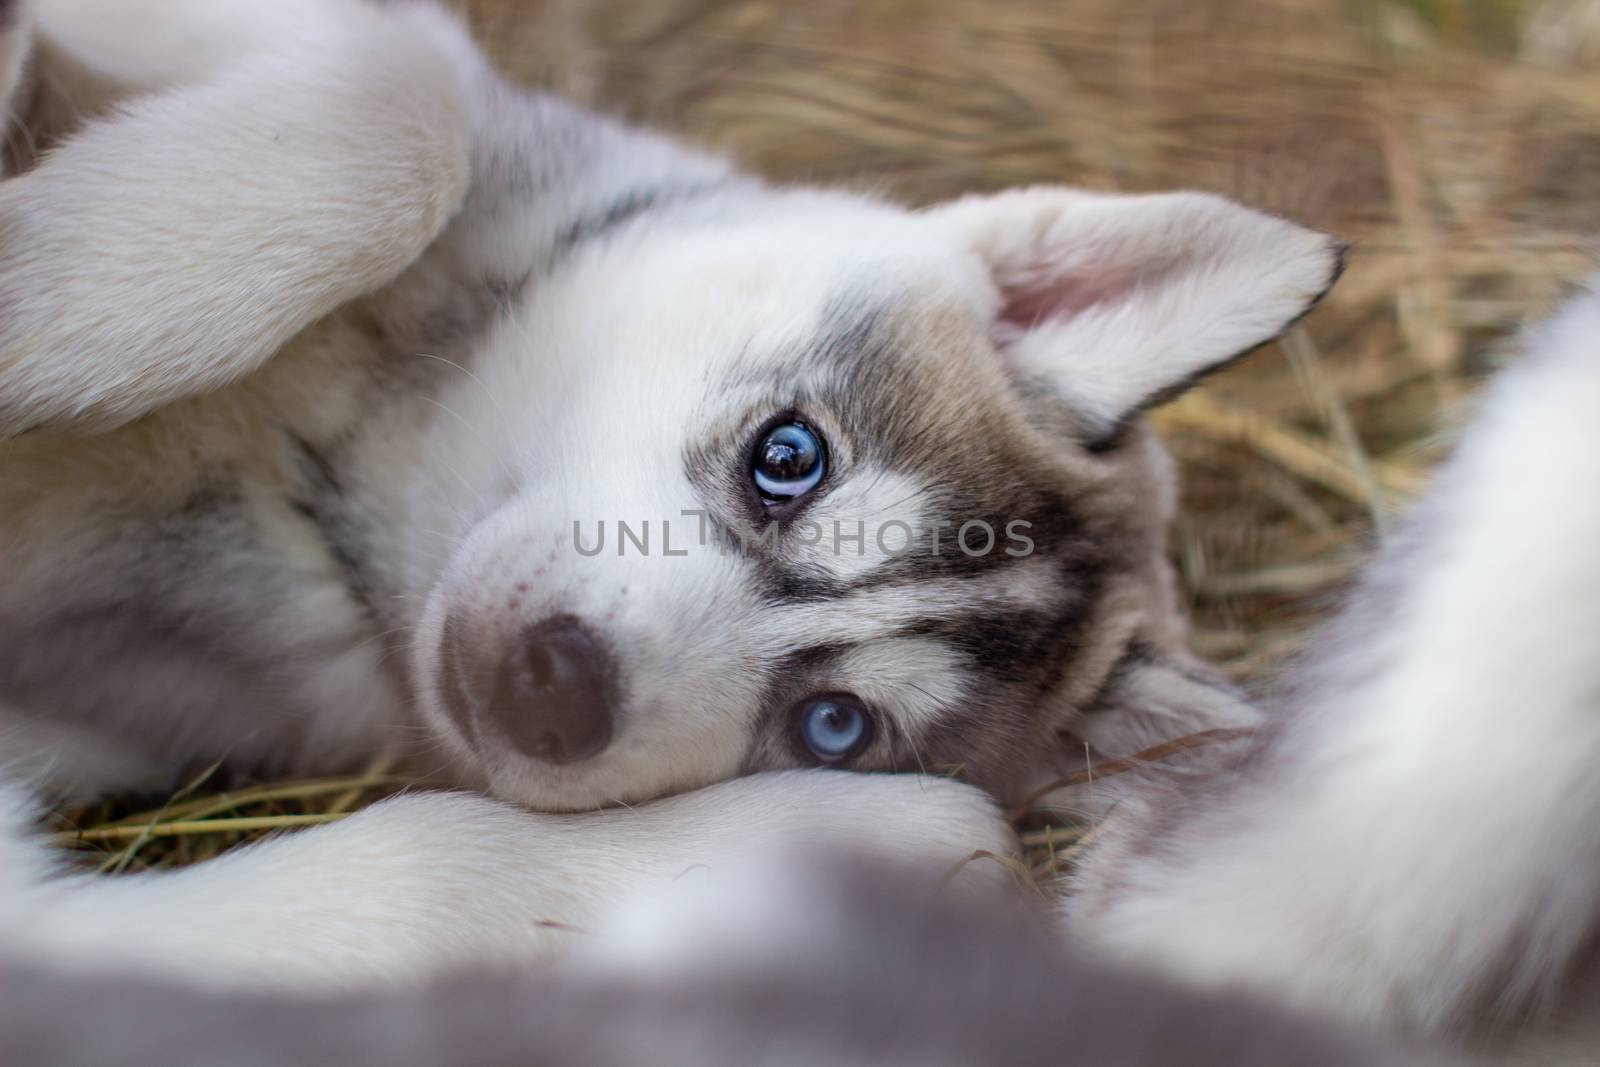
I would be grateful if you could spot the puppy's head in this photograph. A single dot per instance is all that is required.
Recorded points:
(794, 478)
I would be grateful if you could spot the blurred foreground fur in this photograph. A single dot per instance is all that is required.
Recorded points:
(1411, 839)
(887, 975)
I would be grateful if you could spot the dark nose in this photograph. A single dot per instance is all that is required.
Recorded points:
(553, 693)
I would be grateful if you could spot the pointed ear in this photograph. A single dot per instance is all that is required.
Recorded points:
(1121, 302)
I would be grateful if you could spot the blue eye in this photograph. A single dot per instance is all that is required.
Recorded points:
(789, 462)
(834, 728)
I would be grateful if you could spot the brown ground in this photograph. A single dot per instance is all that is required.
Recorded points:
(1457, 143)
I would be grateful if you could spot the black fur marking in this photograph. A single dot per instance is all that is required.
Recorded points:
(781, 585)
(1113, 437)
(803, 660)
(1014, 646)
(213, 494)
(630, 206)
(320, 503)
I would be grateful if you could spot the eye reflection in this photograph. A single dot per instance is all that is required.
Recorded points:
(789, 462)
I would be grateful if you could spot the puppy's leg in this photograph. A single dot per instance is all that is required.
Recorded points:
(437, 879)
(143, 46)
(175, 246)
(1419, 842)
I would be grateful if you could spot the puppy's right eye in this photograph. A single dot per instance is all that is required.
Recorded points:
(834, 727)
(789, 461)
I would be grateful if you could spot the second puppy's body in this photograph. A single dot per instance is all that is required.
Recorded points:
(1412, 840)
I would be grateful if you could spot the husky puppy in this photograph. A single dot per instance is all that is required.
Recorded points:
(347, 390)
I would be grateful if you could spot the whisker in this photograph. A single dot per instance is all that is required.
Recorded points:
(448, 410)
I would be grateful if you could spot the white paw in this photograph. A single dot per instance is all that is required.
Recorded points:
(778, 891)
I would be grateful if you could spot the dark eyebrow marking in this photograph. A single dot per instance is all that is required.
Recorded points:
(812, 656)
(318, 501)
(784, 585)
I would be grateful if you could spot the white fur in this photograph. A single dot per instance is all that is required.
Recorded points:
(302, 210)
(438, 879)
(1420, 845)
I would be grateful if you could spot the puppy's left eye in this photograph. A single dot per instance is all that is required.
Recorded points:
(834, 727)
(789, 462)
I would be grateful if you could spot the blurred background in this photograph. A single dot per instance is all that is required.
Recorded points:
(1455, 142)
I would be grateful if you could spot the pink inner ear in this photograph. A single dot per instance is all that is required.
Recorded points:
(1031, 299)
